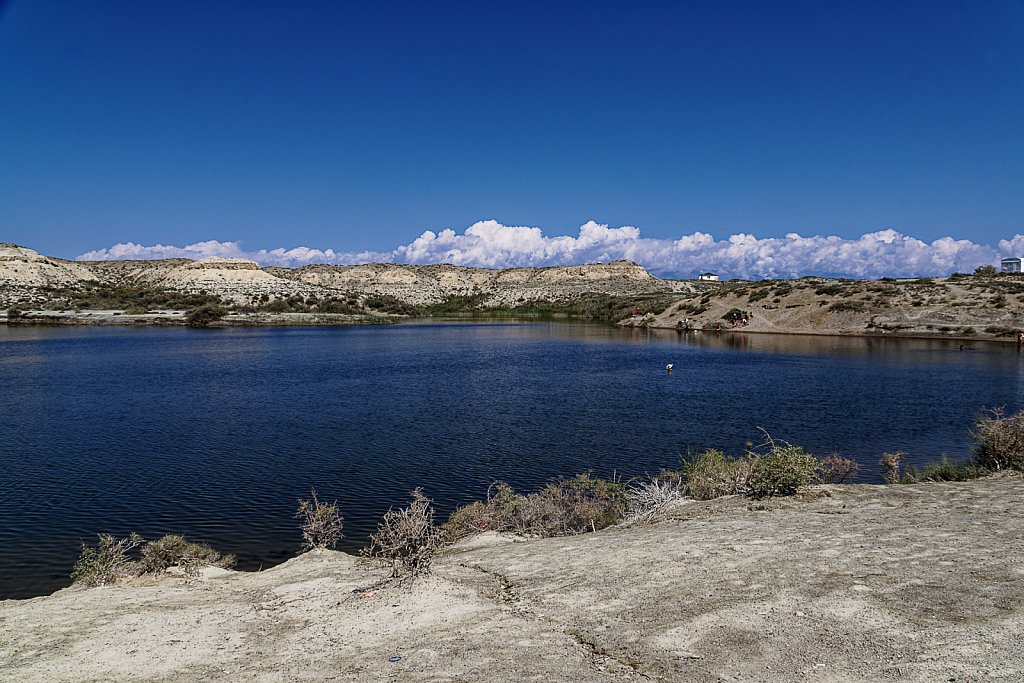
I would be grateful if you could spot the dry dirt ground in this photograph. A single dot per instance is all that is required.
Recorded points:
(843, 583)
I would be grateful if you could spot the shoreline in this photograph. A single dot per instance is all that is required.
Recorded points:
(810, 333)
(840, 582)
(176, 318)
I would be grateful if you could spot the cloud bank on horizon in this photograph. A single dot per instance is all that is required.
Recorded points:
(489, 244)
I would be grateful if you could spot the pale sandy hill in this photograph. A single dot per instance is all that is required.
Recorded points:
(23, 267)
(965, 306)
(136, 272)
(240, 280)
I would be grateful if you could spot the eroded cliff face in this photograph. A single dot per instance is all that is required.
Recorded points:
(435, 283)
(25, 274)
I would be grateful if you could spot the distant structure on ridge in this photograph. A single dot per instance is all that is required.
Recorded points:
(1011, 264)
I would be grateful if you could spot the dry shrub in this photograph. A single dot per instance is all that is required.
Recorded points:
(114, 559)
(407, 539)
(322, 523)
(713, 474)
(890, 464)
(177, 551)
(108, 562)
(467, 520)
(573, 506)
(835, 469)
(502, 511)
(999, 440)
(646, 499)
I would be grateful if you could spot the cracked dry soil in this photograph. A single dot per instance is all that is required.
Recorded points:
(843, 583)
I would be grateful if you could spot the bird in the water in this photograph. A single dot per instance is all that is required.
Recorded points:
(668, 368)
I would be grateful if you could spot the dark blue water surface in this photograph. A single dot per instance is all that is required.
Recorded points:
(216, 433)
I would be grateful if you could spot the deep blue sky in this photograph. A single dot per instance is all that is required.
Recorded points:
(359, 125)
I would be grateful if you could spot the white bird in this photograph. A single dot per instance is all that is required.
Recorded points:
(668, 368)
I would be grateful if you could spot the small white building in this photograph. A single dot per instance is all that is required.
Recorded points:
(710, 277)
(1011, 265)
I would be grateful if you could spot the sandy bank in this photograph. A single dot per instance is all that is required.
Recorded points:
(857, 583)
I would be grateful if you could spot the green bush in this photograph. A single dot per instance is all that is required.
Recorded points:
(782, 471)
(999, 440)
(173, 550)
(948, 470)
(735, 315)
(385, 303)
(713, 474)
(333, 305)
(204, 316)
(847, 305)
(96, 296)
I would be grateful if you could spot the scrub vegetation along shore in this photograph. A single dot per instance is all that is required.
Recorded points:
(39, 289)
(729, 568)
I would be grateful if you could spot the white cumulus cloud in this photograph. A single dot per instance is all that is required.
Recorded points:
(490, 244)
(291, 258)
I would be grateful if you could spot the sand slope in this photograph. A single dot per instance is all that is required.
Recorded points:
(859, 583)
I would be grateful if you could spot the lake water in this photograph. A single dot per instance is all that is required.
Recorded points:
(216, 433)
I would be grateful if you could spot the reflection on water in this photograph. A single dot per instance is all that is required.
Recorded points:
(216, 433)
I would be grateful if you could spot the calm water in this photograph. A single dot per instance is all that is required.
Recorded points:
(216, 433)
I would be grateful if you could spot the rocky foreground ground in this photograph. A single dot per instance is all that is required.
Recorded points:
(918, 582)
